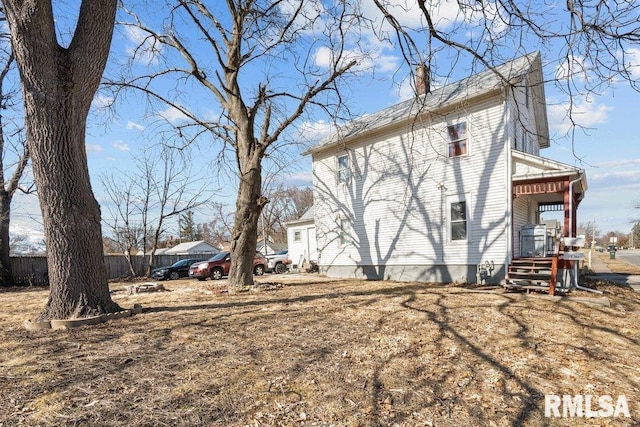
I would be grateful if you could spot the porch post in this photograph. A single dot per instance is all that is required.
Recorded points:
(567, 211)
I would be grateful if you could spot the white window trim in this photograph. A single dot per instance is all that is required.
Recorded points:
(344, 233)
(456, 198)
(339, 170)
(448, 141)
(297, 236)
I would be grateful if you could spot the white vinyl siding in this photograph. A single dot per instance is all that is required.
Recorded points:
(397, 200)
(523, 136)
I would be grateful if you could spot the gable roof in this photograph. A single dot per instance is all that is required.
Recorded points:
(477, 85)
(198, 246)
(263, 247)
(306, 217)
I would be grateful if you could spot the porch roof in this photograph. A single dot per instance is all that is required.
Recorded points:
(544, 179)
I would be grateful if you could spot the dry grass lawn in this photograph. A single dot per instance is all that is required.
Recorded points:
(310, 351)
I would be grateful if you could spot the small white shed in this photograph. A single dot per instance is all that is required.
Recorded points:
(301, 240)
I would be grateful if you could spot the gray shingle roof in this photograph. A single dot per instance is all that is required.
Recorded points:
(475, 85)
(307, 216)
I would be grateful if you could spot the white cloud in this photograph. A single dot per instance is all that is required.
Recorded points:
(633, 58)
(26, 219)
(142, 45)
(614, 164)
(571, 68)
(310, 17)
(314, 132)
(371, 57)
(172, 115)
(136, 126)
(618, 176)
(444, 13)
(93, 148)
(300, 179)
(584, 112)
(323, 57)
(101, 102)
(121, 146)
(406, 89)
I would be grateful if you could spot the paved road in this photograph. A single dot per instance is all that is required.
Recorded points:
(630, 256)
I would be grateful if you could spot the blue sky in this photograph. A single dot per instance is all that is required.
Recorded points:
(606, 148)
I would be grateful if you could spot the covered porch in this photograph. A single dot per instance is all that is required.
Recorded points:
(542, 185)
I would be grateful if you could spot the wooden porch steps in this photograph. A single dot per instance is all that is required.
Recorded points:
(532, 274)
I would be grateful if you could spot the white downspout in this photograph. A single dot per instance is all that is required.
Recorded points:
(509, 154)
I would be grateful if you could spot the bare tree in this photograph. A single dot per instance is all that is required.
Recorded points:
(634, 238)
(236, 60)
(188, 228)
(218, 230)
(21, 244)
(591, 43)
(590, 231)
(141, 202)
(12, 146)
(285, 204)
(58, 85)
(127, 233)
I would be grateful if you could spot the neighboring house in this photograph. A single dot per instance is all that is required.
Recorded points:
(301, 240)
(434, 187)
(268, 249)
(197, 247)
(161, 251)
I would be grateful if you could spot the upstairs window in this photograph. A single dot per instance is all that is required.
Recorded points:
(296, 236)
(457, 145)
(344, 170)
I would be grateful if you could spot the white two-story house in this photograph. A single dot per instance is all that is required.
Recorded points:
(433, 187)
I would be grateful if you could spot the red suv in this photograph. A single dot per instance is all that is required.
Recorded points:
(220, 264)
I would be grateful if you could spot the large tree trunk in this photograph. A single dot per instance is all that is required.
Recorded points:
(58, 87)
(6, 272)
(249, 204)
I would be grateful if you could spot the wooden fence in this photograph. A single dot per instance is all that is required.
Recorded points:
(32, 270)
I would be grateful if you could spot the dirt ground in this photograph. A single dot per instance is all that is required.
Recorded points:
(305, 350)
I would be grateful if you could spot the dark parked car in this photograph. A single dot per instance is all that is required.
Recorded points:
(219, 266)
(174, 271)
